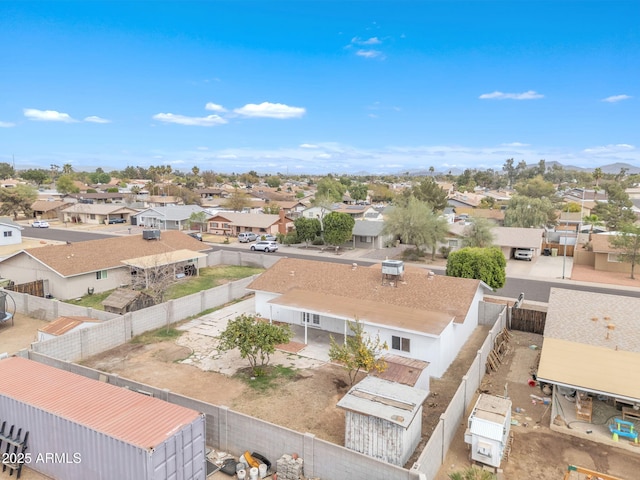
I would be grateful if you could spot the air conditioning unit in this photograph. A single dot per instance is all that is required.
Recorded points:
(392, 267)
(151, 234)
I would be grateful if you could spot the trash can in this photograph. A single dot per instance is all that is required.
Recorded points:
(546, 252)
(554, 252)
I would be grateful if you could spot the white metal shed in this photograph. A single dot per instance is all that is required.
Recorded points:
(488, 429)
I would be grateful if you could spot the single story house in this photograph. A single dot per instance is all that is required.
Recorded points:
(48, 209)
(91, 213)
(601, 255)
(74, 269)
(357, 212)
(508, 239)
(175, 217)
(10, 232)
(98, 197)
(233, 223)
(369, 235)
(418, 314)
(591, 351)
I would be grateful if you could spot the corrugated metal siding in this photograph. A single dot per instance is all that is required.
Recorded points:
(375, 437)
(133, 418)
(180, 455)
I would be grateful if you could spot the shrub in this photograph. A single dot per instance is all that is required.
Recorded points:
(317, 241)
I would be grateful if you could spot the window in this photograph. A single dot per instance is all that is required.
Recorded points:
(225, 225)
(402, 344)
(613, 257)
(453, 243)
(101, 275)
(8, 234)
(92, 216)
(214, 224)
(365, 239)
(311, 318)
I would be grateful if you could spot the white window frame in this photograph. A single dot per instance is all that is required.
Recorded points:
(613, 258)
(101, 275)
(8, 234)
(311, 319)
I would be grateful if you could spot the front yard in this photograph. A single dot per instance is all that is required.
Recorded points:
(209, 277)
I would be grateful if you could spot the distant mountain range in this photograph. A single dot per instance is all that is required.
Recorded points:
(611, 168)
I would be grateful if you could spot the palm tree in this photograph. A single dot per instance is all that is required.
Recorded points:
(597, 175)
(592, 220)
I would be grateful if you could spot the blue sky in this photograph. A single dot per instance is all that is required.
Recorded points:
(319, 86)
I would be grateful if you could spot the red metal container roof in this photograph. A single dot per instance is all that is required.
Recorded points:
(128, 416)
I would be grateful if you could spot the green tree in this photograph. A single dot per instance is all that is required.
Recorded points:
(331, 188)
(271, 208)
(359, 352)
(536, 187)
(238, 201)
(381, 192)
(65, 185)
(617, 210)
(337, 228)
(99, 177)
(510, 170)
(6, 171)
(597, 175)
(486, 264)
(67, 169)
(195, 170)
(17, 200)
(430, 192)
(199, 220)
(256, 340)
(273, 182)
(307, 229)
(358, 191)
(529, 212)
(592, 220)
(627, 245)
(37, 176)
(415, 223)
(479, 233)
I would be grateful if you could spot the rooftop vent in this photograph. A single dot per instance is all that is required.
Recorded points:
(354, 266)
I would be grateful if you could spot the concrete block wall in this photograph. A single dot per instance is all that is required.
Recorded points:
(65, 347)
(102, 337)
(150, 318)
(489, 311)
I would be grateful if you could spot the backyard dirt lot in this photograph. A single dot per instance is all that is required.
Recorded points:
(537, 451)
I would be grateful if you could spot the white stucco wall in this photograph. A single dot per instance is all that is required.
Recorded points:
(14, 238)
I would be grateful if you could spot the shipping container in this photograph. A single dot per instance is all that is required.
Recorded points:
(81, 428)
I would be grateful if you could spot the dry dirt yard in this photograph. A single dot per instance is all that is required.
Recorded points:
(537, 451)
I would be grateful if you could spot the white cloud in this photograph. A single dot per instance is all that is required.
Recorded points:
(202, 149)
(228, 156)
(270, 110)
(308, 145)
(323, 155)
(608, 149)
(94, 119)
(368, 41)
(515, 144)
(370, 54)
(214, 107)
(528, 95)
(47, 115)
(7, 124)
(208, 121)
(616, 98)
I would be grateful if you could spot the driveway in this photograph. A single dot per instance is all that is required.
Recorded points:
(541, 267)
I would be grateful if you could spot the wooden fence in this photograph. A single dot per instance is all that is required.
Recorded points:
(526, 320)
(32, 288)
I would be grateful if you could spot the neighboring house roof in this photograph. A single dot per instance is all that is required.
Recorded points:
(114, 411)
(98, 208)
(289, 204)
(569, 217)
(62, 325)
(174, 212)
(360, 289)
(163, 199)
(97, 196)
(10, 223)
(514, 237)
(47, 205)
(368, 228)
(161, 259)
(386, 400)
(81, 257)
(254, 220)
(488, 213)
(591, 341)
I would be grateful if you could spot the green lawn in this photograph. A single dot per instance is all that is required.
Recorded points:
(209, 277)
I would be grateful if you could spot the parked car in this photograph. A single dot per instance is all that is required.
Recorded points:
(117, 220)
(196, 235)
(268, 237)
(40, 224)
(246, 237)
(265, 246)
(523, 254)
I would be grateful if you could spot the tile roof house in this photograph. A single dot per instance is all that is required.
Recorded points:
(601, 255)
(507, 238)
(10, 232)
(174, 217)
(95, 214)
(70, 270)
(233, 223)
(424, 316)
(369, 234)
(591, 345)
